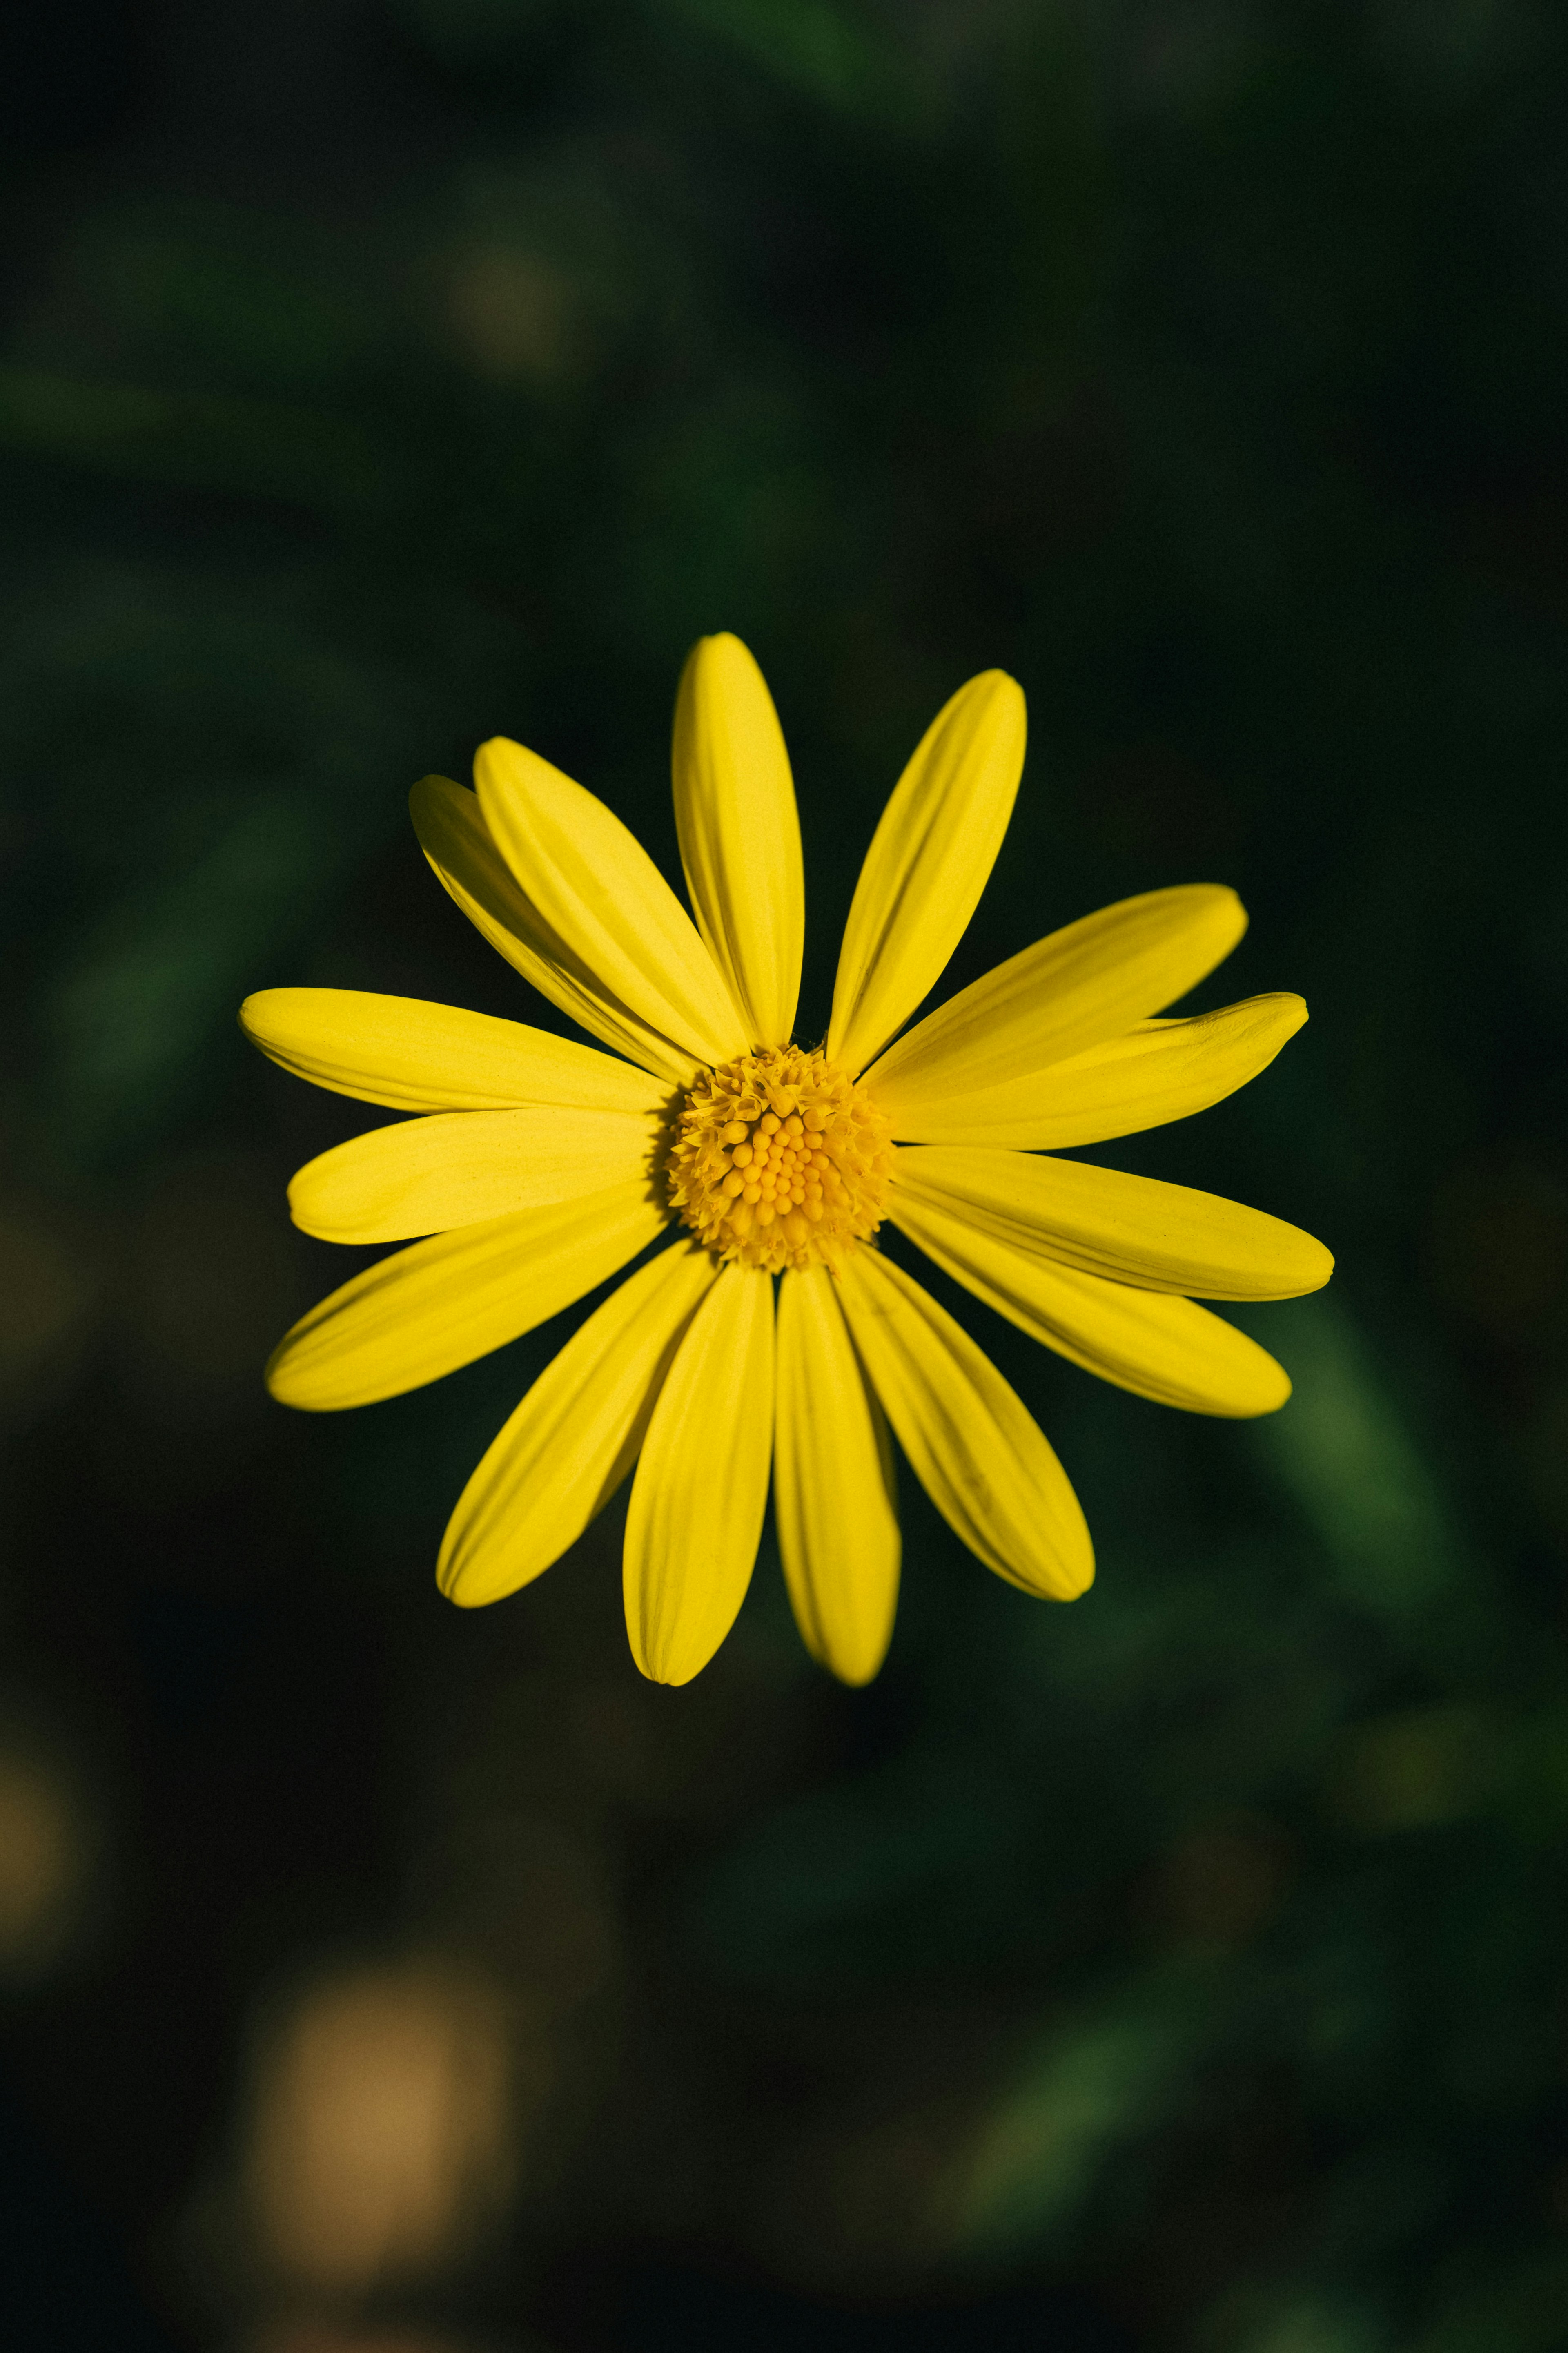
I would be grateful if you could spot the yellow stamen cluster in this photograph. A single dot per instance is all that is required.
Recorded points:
(780, 1160)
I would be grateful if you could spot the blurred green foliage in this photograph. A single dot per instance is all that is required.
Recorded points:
(382, 379)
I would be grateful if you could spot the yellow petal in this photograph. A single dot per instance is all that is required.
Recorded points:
(1159, 1071)
(701, 1488)
(740, 833)
(600, 895)
(460, 1168)
(457, 841)
(1134, 1228)
(414, 1056)
(1071, 991)
(928, 863)
(440, 1304)
(575, 1435)
(1159, 1347)
(977, 1452)
(832, 1485)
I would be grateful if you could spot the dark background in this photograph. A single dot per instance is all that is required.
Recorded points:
(1183, 1969)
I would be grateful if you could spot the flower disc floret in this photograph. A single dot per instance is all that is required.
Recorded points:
(780, 1160)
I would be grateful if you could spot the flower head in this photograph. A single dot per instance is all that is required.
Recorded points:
(538, 1167)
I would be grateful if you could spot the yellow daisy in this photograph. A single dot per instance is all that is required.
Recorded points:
(540, 1166)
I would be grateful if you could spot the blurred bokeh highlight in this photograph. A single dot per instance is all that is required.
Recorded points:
(1185, 1970)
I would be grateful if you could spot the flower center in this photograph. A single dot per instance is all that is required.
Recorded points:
(780, 1160)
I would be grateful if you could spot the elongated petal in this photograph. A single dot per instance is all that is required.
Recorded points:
(414, 1056)
(1159, 1347)
(457, 841)
(1134, 1228)
(930, 860)
(601, 896)
(574, 1437)
(832, 1485)
(701, 1486)
(440, 1304)
(460, 1168)
(740, 833)
(1159, 1071)
(1072, 990)
(973, 1446)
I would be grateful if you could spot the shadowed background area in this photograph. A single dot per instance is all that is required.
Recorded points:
(1185, 1968)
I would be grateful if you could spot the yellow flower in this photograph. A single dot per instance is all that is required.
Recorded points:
(541, 1167)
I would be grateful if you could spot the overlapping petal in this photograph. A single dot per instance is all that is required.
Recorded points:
(445, 1302)
(701, 1487)
(574, 1437)
(456, 841)
(973, 1444)
(460, 1168)
(833, 1496)
(1158, 1345)
(740, 833)
(600, 894)
(411, 1055)
(1074, 990)
(1159, 1071)
(929, 862)
(1135, 1229)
